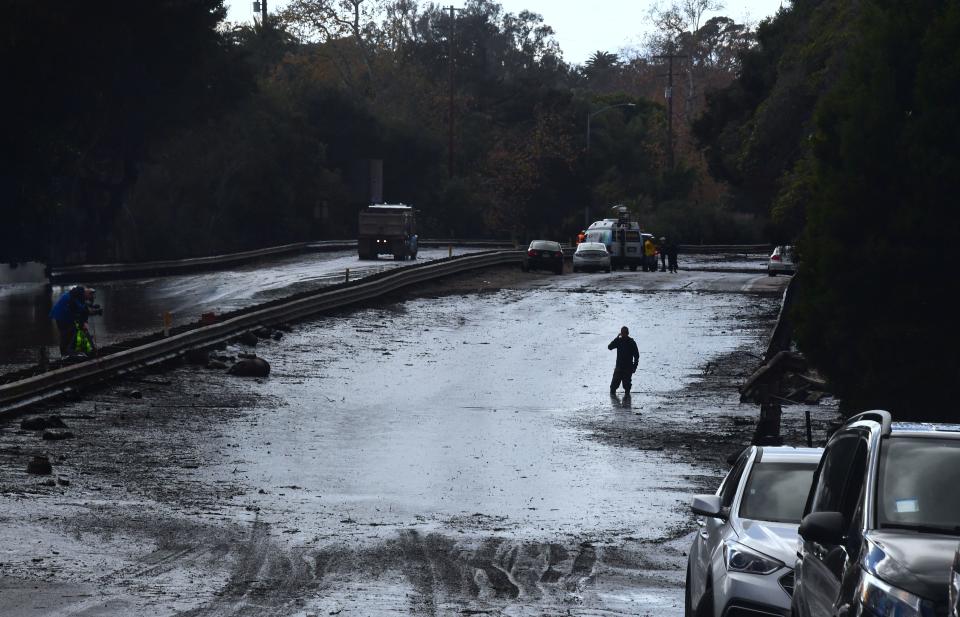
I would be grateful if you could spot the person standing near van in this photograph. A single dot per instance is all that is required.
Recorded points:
(628, 357)
(663, 254)
(649, 256)
(672, 257)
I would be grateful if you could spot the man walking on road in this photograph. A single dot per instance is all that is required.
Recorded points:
(628, 356)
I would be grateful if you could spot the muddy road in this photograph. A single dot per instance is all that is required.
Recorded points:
(133, 307)
(453, 451)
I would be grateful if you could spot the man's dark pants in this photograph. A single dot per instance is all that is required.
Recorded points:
(68, 333)
(624, 375)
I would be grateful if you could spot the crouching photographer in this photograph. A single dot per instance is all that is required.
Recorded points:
(71, 313)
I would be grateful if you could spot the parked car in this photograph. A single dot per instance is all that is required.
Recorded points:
(591, 256)
(781, 261)
(881, 523)
(954, 592)
(543, 255)
(741, 561)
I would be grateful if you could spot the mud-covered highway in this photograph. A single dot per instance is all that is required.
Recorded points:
(134, 307)
(453, 451)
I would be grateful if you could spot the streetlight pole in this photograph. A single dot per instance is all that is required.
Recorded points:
(453, 17)
(586, 209)
(601, 110)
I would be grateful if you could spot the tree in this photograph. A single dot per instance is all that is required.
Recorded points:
(876, 313)
(89, 86)
(333, 22)
(602, 71)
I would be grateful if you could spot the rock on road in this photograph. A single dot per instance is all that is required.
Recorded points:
(451, 452)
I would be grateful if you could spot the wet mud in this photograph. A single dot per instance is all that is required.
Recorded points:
(453, 451)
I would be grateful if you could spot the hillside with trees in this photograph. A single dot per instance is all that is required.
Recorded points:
(845, 122)
(178, 134)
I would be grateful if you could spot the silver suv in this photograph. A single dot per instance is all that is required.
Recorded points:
(881, 522)
(741, 560)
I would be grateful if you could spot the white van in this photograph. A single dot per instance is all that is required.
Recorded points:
(623, 240)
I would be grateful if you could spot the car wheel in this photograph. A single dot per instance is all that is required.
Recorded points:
(576, 270)
(633, 268)
(771, 273)
(687, 602)
(524, 267)
(608, 270)
(705, 607)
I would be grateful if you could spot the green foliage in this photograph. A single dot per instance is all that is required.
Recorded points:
(89, 85)
(877, 310)
(157, 131)
(754, 131)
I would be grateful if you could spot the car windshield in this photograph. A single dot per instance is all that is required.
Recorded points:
(544, 245)
(918, 484)
(777, 492)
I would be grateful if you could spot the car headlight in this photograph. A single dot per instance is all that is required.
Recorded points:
(883, 599)
(739, 558)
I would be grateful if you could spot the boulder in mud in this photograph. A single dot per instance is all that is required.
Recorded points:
(40, 466)
(263, 332)
(56, 435)
(249, 338)
(39, 423)
(251, 367)
(197, 356)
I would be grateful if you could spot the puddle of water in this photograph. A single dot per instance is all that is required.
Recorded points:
(476, 405)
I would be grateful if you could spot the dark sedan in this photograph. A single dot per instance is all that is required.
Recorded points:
(543, 255)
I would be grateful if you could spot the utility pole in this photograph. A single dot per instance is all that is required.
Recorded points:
(668, 94)
(261, 7)
(453, 17)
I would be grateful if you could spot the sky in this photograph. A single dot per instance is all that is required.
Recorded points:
(605, 25)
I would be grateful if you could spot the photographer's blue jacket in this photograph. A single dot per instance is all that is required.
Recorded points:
(70, 308)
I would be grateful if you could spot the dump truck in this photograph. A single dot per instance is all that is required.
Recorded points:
(387, 229)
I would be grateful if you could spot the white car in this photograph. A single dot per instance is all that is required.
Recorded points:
(591, 256)
(955, 586)
(781, 261)
(741, 561)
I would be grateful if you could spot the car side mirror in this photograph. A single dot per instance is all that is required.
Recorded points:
(707, 505)
(823, 528)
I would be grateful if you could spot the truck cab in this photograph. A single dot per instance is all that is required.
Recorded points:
(387, 229)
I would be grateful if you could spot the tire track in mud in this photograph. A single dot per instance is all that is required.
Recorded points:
(443, 576)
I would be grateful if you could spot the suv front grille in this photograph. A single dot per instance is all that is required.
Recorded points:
(786, 581)
(740, 608)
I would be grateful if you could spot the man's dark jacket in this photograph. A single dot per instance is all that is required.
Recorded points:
(628, 356)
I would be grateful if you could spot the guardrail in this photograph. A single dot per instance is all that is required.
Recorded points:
(723, 248)
(92, 272)
(20, 394)
(89, 272)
